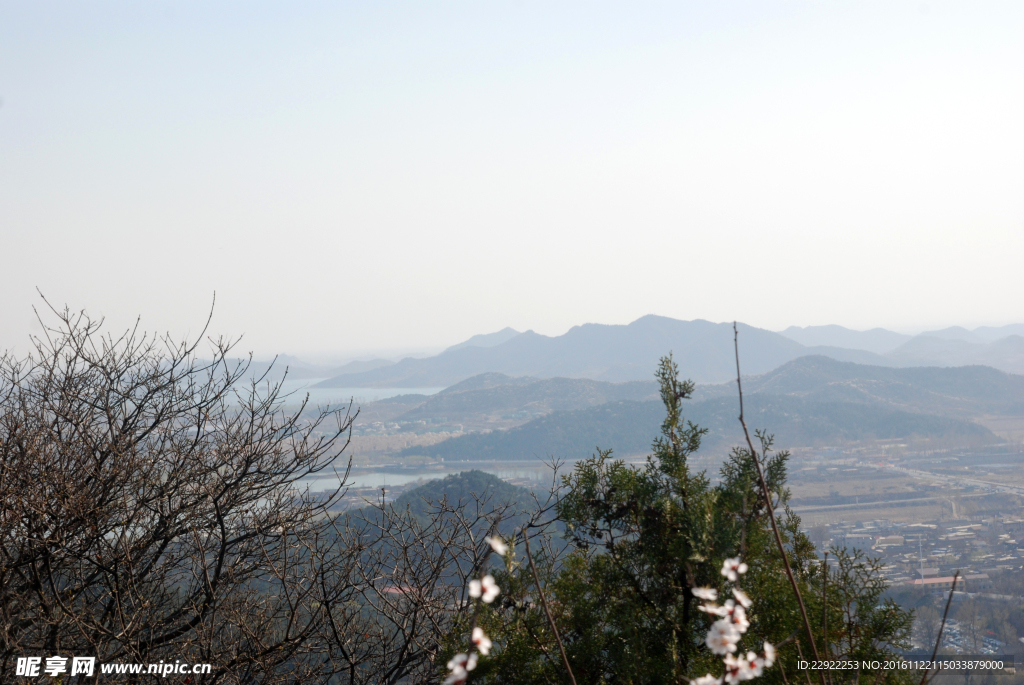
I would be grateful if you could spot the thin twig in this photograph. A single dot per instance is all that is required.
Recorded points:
(790, 638)
(547, 612)
(771, 509)
(824, 609)
(824, 604)
(801, 653)
(942, 626)
(783, 672)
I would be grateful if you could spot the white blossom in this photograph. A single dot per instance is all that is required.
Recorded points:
(737, 669)
(714, 609)
(722, 637)
(485, 589)
(708, 593)
(706, 680)
(482, 642)
(733, 568)
(498, 545)
(738, 615)
(756, 664)
(460, 666)
(732, 612)
(725, 633)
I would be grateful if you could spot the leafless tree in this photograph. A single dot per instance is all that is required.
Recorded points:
(154, 509)
(412, 578)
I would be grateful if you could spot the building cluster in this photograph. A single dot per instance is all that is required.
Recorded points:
(928, 554)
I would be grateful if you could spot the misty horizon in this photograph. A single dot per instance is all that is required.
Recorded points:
(324, 357)
(352, 178)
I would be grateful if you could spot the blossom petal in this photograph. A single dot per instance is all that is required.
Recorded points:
(497, 544)
(708, 593)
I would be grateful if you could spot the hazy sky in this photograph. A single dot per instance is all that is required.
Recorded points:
(383, 175)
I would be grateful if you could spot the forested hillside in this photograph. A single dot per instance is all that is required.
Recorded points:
(950, 391)
(503, 395)
(462, 487)
(629, 427)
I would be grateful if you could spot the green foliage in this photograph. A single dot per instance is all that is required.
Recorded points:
(460, 486)
(465, 486)
(858, 615)
(641, 537)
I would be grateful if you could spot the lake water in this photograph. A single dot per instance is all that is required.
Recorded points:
(384, 476)
(390, 476)
(297, 390)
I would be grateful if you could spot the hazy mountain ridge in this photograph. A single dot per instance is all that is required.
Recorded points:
(1006, 354)
(629, 428)
(876, 340)
(980, 335)
(883, 341)
(617, 353)
(948, 391)
(495, 400)
(600, 352)
(998, 347)
(530, 396)
(484, 381)
(487, 339)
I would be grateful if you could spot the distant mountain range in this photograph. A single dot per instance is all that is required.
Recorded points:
(877, 340)
(495, 400)
(882, 341)
(487, 339)
(617, 353)
(630, 427)
(965, 391)
(809, 401)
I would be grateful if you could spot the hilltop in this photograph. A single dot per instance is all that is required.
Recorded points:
(957, 391)
(468, 488)
(462, 487)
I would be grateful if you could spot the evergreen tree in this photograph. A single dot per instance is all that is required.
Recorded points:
(642, 538)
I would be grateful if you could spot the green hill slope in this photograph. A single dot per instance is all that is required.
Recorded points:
(957, 392)
(468, 487)
(630, 427)
(480, 397)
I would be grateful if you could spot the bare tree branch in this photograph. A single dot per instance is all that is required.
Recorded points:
(771, 510)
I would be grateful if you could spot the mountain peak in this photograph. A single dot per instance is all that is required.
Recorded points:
(955, 333)
(877, 340)
(487, 339)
